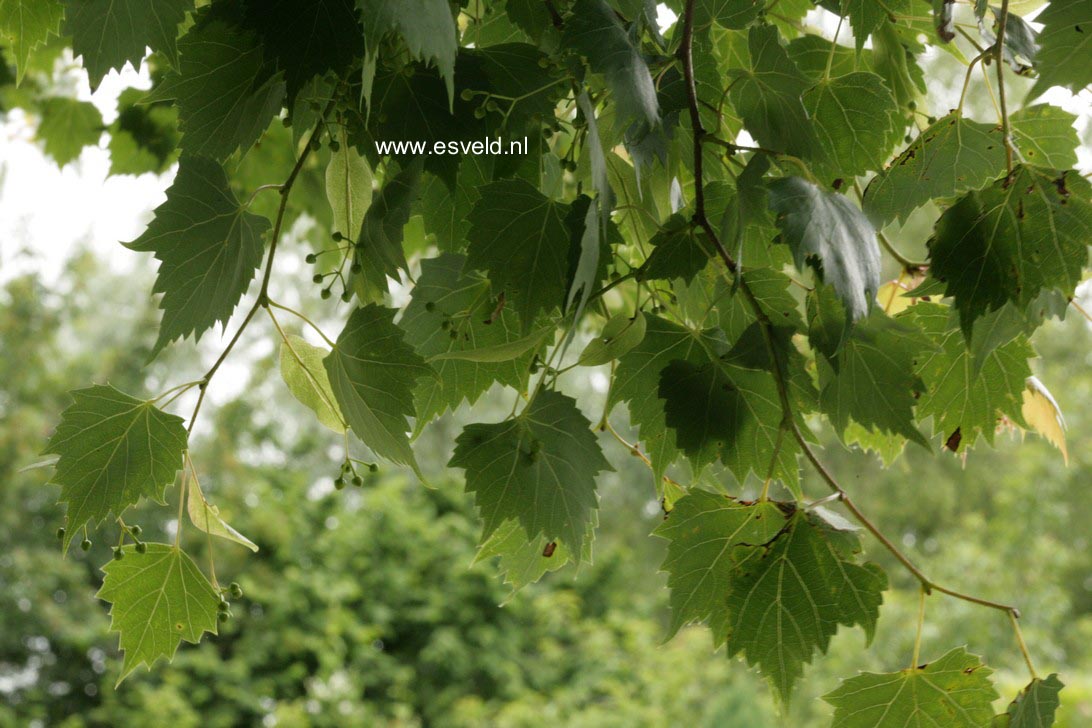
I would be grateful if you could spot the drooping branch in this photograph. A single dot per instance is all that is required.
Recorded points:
(766, 328)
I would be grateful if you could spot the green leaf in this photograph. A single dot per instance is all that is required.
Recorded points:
(871, 379)
(534, 273)
(1021, 40)
(27, 24)
(680, 249)
(637, 382)
(773, 582)
(710, 536)
(1025, 234)
(620, 334)
(109, 33)
(305, 376)
(962, 394)
(426, 26)
(451, 321)
(209, 247)
(954, 692)
(721, 410)
(224, 89)
(894, 61)
(373, 373)
(379, 248)
(158, 598)
(1045, 136)
(1034, 707)
(114, 449)
(67, 127)
(827, 231)
(515, 71)
(952, 156)
(787, 600)
(538, 468)
(307, 38)
(349, 189)
(733, 14)
(856, 121)
(1065, 47)
(865, 16)
(444, 212)
(767, 94)
(524, 561)
(596, 33)
(206, 517)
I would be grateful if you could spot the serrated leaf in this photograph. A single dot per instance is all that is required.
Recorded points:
(524, 561)
(114, 449)
(109, 33)
(856, 121)
(871, 378)
(827, 231)
(349, 189)
(789, 599)
(158, 598)
(709, 537)
(619, 335)
(1025, 234)
(475, 349)
(595, 32)
(958, 395)
(67, 127)
(27, 24)
(373, 373)
(637, 381)
(1045, 136)
(865, 16)
(718, 409)
(680, 249)
(379, 249)
(896, 64)
(209, 247)
(306, 378)
(767, 94)
(952, 156)
(538, 468)
(534, 273)
(224, 89)
(1065, 47)
(733, 14)
(773, 582)
(426, 26)
(307, 38)
(1034, 707)
(1021, 46)
(206, 517)
(954, 692)
(1042, 414)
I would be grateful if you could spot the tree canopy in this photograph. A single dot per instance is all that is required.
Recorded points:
(723, 203)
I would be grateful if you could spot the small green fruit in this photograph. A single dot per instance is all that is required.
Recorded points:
(85, 544)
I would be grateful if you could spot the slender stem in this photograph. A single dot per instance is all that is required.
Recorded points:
(967, 80)
(921, 625)
(263, 293)
(303, 318)
(182, 483)
(1015, 619)
(1080, 309)
(1000, 60)
(833, 46)
(635, 451)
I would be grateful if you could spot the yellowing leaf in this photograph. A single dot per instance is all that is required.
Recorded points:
(1042, 413)
(207, 517)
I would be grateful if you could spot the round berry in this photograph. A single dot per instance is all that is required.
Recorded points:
(325, 293)
(136, 531)
(346, 296)
(335, 146)
(311, 258)
(466, 94)
(118, 553)
(358, 481)
(339, 483)
(235, 590)
(355, 268)
(317, 278)
(60, 532)
(141, 547)
(223, 616)
(85, 544)
(373, 468)
(337, 236)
